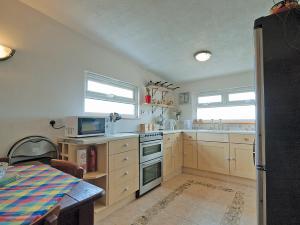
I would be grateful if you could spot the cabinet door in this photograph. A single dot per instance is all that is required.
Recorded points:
(177, 155)
(213, 157)
(241, 161)
(190, 154)
(168, 164)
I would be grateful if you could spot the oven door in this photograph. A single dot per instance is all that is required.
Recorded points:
(150, 175)
(150, 150)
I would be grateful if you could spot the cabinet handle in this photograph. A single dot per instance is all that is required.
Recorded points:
(234, 159)
(126, 158)
(126, 189)
(126, 173)
(227, 159)
(125, 145)
(246, 139)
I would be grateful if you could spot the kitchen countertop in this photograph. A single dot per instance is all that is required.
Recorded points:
(99, 139)
(120, 136)
(211, 131)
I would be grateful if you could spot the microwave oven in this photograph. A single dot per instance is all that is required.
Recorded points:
(77, 126)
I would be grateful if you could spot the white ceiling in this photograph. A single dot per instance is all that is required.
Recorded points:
(163, 35)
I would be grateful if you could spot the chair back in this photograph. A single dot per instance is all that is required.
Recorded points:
(67, 167)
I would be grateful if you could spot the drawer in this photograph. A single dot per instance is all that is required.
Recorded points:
(190, 136)
(123, 175)
(122, 160)
(123, 145)
(242, 138)
(215, 137)
(118, 192)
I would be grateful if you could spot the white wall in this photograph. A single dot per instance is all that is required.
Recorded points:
(45, 78)
(245, 79)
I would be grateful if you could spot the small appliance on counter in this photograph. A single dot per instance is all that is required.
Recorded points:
(77, 126)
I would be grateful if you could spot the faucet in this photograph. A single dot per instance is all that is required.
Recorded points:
(220, 125)
(211, 124)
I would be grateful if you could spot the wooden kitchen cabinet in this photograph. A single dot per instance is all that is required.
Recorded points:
(178, 152)
(241, 161)
(213, 157)
(190, 159)
(173, 155)
(168, 163)
(123, 169)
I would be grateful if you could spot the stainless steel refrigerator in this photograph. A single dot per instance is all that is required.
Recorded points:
(277, 151)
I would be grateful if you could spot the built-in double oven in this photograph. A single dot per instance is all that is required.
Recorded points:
(151, 161)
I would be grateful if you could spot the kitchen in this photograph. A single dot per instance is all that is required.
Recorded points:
(158, 104)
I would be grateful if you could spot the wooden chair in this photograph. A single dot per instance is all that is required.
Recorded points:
(67, 167)
(50, 218)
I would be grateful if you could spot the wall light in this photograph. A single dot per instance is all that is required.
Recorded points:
(6, 52)
(202, 56)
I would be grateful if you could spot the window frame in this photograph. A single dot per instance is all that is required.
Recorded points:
(225, 101)
(91, 76)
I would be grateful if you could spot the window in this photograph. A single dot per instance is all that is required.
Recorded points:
(229, 105)
(227, 113)
(242, 96)
(210, 99)
(105, 95)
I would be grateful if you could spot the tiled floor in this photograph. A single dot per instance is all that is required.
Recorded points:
(190, 200)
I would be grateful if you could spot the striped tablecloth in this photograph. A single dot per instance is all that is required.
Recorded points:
(39, 188)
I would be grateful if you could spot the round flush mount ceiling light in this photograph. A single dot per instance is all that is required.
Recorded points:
(202, 56)
(6, 52)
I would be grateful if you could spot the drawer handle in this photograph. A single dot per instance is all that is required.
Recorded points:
(126, 158)
(246, 139)
(233, 159)
(126, 145)
(126, 189)
(126, 173)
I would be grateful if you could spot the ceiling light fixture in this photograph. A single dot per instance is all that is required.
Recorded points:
(6, 52)
(202, 56)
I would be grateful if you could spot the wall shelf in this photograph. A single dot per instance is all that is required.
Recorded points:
(160, 105)
(93, 175)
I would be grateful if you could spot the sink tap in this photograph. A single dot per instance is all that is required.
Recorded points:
(220, 125)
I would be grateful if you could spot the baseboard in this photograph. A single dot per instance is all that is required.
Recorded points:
(221, 177)
(110, 209)
(170, 176)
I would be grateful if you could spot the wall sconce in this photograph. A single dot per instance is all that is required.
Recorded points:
(6, 52)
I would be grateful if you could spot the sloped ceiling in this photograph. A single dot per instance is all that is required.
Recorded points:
(163, 35)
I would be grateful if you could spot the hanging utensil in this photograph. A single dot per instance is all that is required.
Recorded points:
(163, 84)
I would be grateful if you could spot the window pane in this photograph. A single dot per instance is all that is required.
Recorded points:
(210, 99)
(244, 96)
(227, 113)
(109, 89)
(99, 106)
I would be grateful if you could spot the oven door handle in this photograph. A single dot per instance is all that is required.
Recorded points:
(151, 143)
(152, 162)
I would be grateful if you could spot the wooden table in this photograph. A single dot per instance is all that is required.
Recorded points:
(77, 206)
